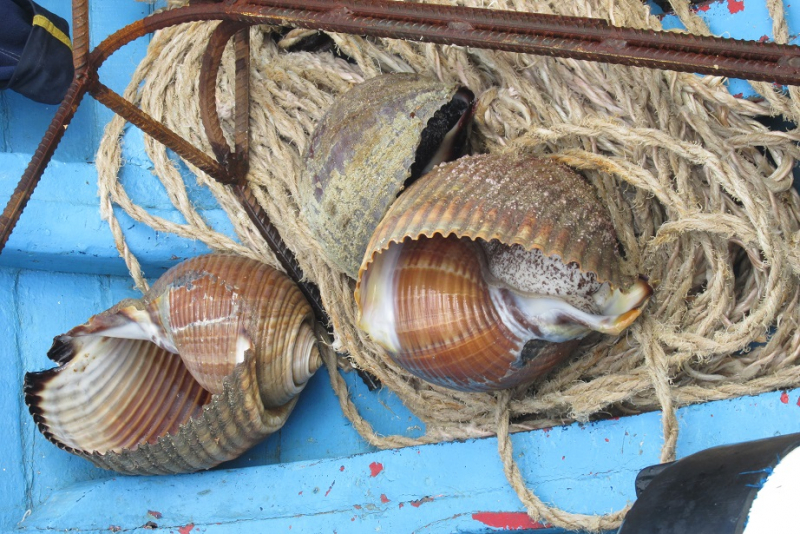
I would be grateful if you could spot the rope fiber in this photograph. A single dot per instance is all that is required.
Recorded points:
(700, 193)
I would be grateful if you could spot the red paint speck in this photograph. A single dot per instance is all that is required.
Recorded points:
(384, 498)
(375, 468)
(154, 514)
(400, 505)
(329, 489)
(734, 6)
(341, 468)
(420, 502)
(738, 95)
(563, 457)
(784, 397)
(186, 529)
(508, 520)
(606, 440)
(353, 518)
(299, 492)
(357, 506)
(764, 39)
(798, 401)
(703, 8)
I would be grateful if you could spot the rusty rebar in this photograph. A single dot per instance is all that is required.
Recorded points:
(241, 132)
(236, 161)
(570, 37)
(212, 59)
(158, 131)
(33, 172)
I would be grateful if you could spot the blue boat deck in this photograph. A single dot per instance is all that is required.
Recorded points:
(317, 474)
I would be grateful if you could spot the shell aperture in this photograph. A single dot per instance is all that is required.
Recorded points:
(529, 266)
(208, 363)
(435, 307)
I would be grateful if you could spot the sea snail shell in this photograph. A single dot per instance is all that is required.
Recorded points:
(375, 140)
(488, 271)
(207, 364)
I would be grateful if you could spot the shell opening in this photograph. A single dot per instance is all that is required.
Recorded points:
(557, 302)
(445, 136)
(97, 402)
(553, 300)
(128, 322)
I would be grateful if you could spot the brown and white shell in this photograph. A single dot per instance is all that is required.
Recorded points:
(207, 364)
(489, 270)
(373, 141)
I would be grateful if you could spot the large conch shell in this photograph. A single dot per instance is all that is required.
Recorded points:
(375, 140)
(207, 364)
(489, 270)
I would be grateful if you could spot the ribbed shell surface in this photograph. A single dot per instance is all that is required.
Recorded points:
(209, 304)
(533, 202)
(449, 331)
(134, 407)
(359, 157)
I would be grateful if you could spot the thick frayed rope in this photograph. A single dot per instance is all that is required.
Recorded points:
(700, 193)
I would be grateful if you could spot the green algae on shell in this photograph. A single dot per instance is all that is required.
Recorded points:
(374, 141)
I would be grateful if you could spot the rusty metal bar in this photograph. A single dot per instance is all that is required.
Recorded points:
(159, 132)
(80, 31)
(552, 35)
(209, 68)
(570, 37)
(242, 118)
(33, 172)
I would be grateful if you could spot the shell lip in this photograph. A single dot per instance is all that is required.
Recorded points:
(33, 384)
(445, 135)
(516, 199)
(62, 353)
(383, 247)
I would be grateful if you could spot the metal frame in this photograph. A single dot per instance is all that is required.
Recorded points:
(570, 37)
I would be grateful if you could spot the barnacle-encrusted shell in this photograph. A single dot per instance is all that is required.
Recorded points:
(361, 155)
(208, 363)
(446, 312)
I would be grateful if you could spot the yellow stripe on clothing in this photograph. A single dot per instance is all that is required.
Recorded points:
(44, 22)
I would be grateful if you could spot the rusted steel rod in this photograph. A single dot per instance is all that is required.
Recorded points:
(212, 59)
(551, 35)
(570, 37)
(33, 172)
(241, 132)
(236, 162)
(159, 132)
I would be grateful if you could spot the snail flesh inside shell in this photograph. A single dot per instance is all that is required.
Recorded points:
(375, 140)
(207, 364)
(480, 278)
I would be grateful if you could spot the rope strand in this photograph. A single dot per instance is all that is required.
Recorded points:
(700, 193)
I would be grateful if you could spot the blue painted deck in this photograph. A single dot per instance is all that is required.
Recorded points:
(316, 474)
